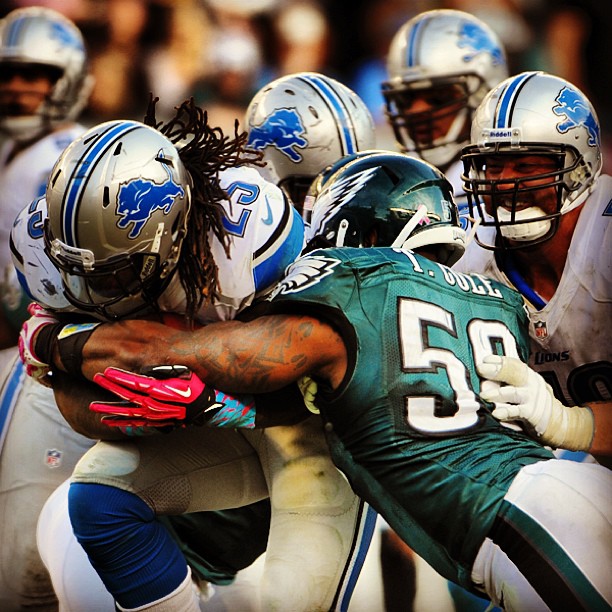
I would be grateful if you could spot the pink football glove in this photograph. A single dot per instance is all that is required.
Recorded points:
(172, 395)
(35, 367)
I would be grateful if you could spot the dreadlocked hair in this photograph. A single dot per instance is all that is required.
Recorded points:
(205, 151)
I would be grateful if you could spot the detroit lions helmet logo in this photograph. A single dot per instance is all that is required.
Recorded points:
(577, 114)
(477, 41)
(305, 272)
(283, 130)
(137, 200)
(66, 36)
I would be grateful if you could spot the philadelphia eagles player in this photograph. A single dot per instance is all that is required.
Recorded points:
(394, 342)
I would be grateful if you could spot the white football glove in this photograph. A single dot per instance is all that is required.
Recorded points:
(525, 396)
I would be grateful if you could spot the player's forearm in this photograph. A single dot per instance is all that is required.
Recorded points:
(263, 355)
(602, 441)
(73, 397)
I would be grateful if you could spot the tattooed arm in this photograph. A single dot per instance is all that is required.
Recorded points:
(73, 397)
(262, 355)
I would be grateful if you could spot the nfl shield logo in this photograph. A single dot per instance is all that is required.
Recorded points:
(54, 458)
(540, 329)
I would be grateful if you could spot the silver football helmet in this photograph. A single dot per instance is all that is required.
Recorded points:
(452, 59)
(118, 203)
(532, 113)
(43, 38)
(302, 123)
(382, 198)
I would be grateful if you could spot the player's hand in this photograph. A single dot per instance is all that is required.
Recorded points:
(521, 394)
(308, 388)
(171, 395)
(35, 366)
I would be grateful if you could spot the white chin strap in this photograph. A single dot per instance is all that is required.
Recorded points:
(524, 231)
(410, 226)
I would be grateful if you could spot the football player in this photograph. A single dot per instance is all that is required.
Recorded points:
(533, 175)
(440, 65)
(263, 233)
(394, 342)
(44, 84)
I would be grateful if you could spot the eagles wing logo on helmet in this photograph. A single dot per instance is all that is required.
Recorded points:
(304, 273)
(331, 200)
(137, 200)
(476, 39)
(577, 114)
(281, 129)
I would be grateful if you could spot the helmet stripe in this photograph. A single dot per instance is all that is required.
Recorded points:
(415, 35)
(505, 104)
(15, 31)
(338, 109)
(82, 173)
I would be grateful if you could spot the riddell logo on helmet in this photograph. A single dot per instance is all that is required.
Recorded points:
(137, 200)
(498, 134)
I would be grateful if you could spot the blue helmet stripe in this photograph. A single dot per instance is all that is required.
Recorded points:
(15, 32)
(411, 48)
(339, 110)
(505, 105)
(81, 174)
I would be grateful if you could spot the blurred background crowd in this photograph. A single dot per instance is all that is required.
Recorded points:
(222, 51)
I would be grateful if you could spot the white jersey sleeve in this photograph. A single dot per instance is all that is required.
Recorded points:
(24, 178)
(570, 336)
(35, 273)
(266, 235)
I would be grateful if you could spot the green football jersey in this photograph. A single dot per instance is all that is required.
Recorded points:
(407, 425)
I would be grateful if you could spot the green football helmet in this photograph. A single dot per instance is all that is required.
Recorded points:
(381, 198)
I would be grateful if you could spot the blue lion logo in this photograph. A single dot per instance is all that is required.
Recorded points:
(66, 37)
(577, 114)
(282, 129)
(137, 200)
(478, 41)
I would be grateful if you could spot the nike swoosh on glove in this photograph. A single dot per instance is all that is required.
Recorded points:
(169, 396)
(521, 394)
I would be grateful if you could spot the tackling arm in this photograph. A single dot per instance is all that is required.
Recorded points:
(261, 355)
(73, 396)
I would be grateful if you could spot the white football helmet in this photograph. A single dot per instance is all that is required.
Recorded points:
(42, 37)
(118, 202)
(382, 198)
(532, 113)
(302, 123)
(452, 57)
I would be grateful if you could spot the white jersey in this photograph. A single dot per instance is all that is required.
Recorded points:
(22, 179)
(266, 235)
(570, 336)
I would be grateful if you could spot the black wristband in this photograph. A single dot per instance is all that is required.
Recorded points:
(70, 342)
(46, 339)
